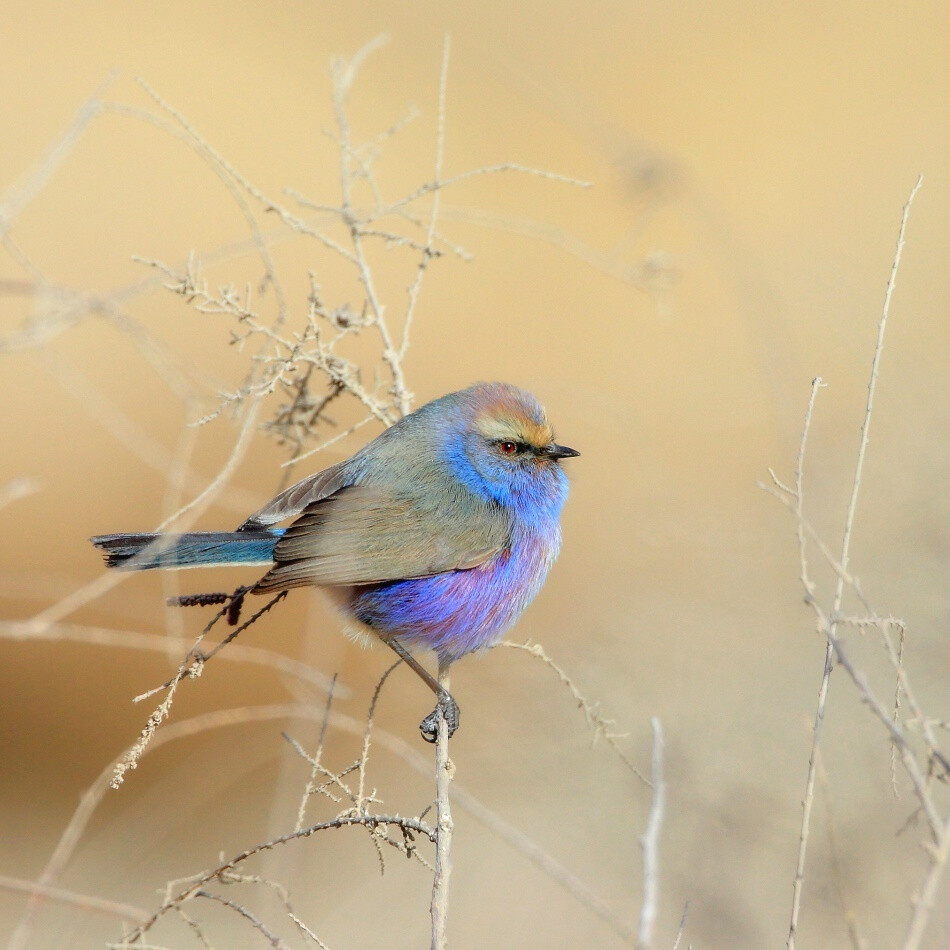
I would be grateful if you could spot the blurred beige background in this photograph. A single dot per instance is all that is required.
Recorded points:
(752, 160)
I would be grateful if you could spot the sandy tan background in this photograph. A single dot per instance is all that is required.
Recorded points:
(754, 159)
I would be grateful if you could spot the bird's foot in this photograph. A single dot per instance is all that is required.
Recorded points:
(447, 709)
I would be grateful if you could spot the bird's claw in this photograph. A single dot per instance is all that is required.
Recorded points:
(447, 709)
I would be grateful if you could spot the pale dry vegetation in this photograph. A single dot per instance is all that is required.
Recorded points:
(304, 359)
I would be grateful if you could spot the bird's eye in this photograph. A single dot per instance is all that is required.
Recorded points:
(508, 448)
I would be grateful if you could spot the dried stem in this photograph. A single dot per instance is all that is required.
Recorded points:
(444, 772)
(601, 727)
(89, 902)
(650, 843)
(316, 767)
(809, 798)
(192, 666)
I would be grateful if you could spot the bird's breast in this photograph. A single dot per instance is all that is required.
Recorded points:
(458, 612)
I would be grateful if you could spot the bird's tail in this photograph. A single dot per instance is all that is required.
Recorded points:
(142, 552)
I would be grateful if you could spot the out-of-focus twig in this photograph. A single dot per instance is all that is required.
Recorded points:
(650, 844)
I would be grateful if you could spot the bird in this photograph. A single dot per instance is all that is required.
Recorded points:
(436, 535)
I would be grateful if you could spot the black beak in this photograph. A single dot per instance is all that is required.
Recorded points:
(554, 451)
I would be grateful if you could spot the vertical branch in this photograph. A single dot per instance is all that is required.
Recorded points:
(649, 843)
(427, 250)
(808, 586)
(843, 572)
(344, 73)
(444, 771)
(315, 767)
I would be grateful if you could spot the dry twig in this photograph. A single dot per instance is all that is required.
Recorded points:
(650, 844)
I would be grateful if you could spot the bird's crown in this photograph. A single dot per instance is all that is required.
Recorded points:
(503, 412)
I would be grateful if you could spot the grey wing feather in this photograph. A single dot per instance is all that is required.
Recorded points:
(292, 501)
(365, 535)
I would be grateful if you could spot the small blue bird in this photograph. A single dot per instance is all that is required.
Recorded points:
(436, 534)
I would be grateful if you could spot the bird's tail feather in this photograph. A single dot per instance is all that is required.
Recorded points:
(142, 552)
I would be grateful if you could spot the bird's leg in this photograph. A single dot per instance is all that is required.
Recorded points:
(446, 707)
(447, 710)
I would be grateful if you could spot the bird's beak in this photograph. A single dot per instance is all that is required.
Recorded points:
(554, 451)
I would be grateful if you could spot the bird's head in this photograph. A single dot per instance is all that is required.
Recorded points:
(510, 444)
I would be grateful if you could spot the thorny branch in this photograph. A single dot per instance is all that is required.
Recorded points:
(601, 727)
(374, 823)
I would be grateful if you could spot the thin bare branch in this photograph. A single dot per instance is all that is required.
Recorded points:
(257, 924)
(808, 586)
(444, 772)
(344, 821)
(601, 727)
(682, 927)
(82, 901)
(429, 251)
(315, 762)
(650, 844)
(191, 667)
(439, 184)
(159, 643)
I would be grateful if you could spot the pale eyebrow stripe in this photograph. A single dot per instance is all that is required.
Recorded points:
(531, 434)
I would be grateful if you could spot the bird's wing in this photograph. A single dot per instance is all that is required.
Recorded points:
(292, 501)
(365, 535)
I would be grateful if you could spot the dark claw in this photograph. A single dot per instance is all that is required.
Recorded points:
(447, 708)
(234, 608)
